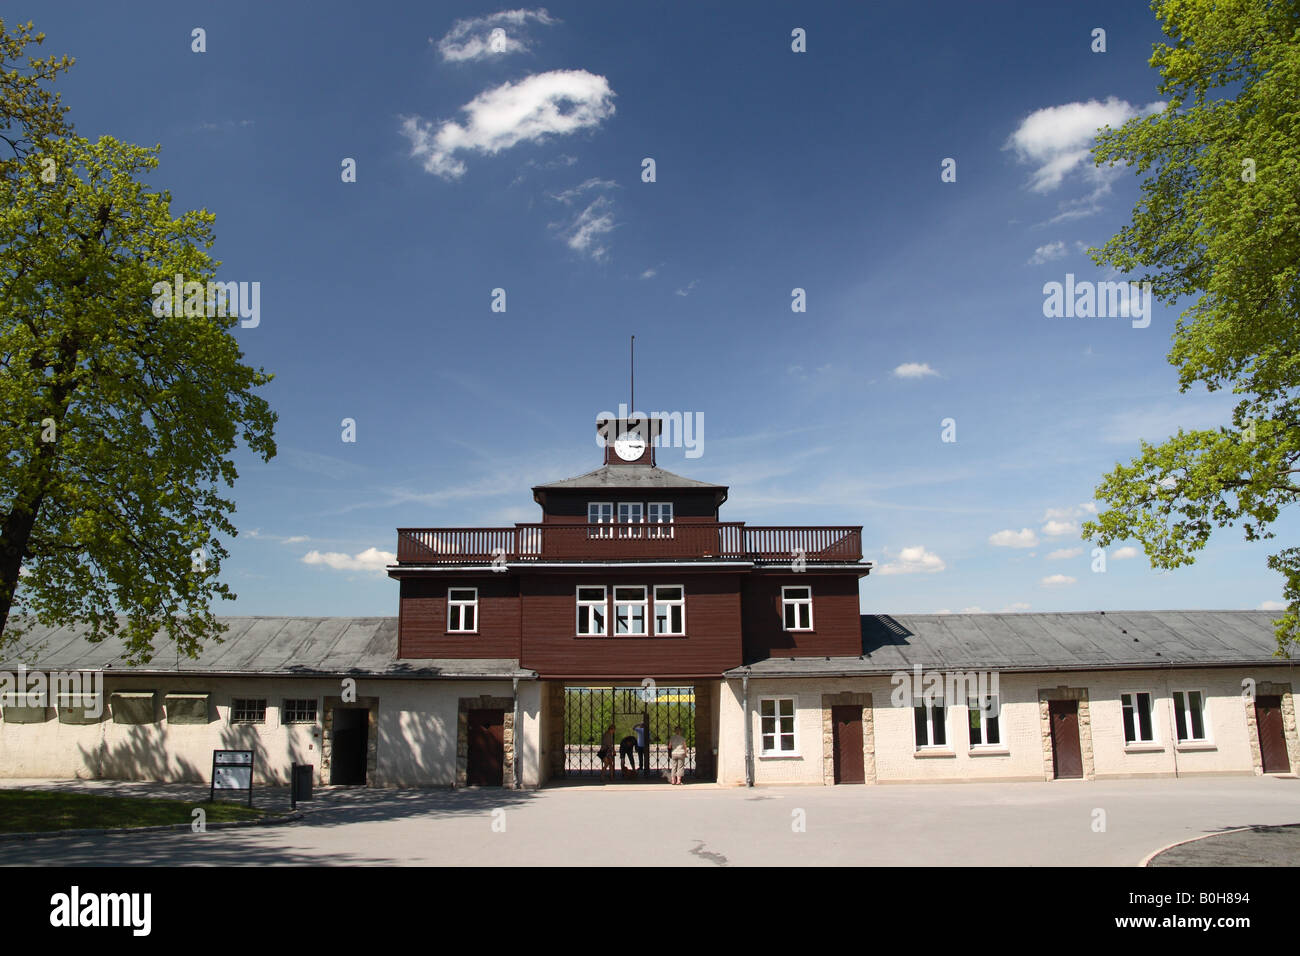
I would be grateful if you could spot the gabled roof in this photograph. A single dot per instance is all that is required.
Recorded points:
(259, 646)
(1044, 642)
(629, 477)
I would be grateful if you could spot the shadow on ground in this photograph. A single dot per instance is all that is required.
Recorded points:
(1255, 846)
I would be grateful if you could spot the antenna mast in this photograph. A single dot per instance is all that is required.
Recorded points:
(632, 407)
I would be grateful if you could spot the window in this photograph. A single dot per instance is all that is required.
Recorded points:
(132, 707)
(1139, 728)
(930, 728)
(462, 610)
(984, 729)
(1189, 716)
(298, 710)
(600, 512)
(591, 610)
(776, 725)
(630, 513)
(186, 708)
(796, 608)
(629, 610)
(661, 513)
(248, 710)
(670, 609)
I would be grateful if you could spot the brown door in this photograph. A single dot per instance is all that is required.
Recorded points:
(1066, 756)
(847, 722)
(1272, 739)
(487, 748)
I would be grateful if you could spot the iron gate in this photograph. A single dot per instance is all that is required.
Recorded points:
(589, 711)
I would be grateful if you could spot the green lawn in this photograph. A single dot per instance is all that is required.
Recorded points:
(27, 811)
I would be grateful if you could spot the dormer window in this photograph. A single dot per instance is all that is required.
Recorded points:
(630, 513)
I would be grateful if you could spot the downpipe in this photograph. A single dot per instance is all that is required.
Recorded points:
(749, 729)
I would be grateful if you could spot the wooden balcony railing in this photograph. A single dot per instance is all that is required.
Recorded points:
(731, 540)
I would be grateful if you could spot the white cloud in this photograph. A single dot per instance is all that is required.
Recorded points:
(1054, 528)
(587, 231)
(1024, 538)
(973, 610)
(1058, 139)
(1128, 551)
(1089, 506)
(649, 273)
(1057, 580)
(1053, 250)
(915, 560)
(1063, 553)
(1016, 607)
(371, 559)
(569, 195)
(477, 38)
(546, 104)
(1272, 606)
(689, 286)
(914, 370)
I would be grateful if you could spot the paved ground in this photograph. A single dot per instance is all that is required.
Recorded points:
(1017, 824)
(1258, 846)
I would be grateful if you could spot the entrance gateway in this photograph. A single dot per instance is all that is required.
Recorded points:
(588, 712)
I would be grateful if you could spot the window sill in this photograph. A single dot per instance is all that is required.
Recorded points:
(791, 756)
(460, 633)
(935, 752)
(625, 637)
(989, 750)
(1144, 748)
(1191, 746)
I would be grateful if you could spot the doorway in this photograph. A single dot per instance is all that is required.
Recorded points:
(1067, 757)
(589, 711)
(351, 735)
(846, 722)
(486, 737)
(1272, 736)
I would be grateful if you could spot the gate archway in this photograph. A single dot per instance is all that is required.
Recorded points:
(588, 711)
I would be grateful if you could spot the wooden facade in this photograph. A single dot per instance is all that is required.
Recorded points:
(525, 580)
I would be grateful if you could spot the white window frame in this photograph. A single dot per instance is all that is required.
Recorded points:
(454, 604)
(976, 704)
(1137, 724)
(602, 604)
(669, 603)
(929, 706)
(633, 527)
(1185, 693)
(797, 602)
(643, 604)
(600, 512)
(777, 734)
(658, 514)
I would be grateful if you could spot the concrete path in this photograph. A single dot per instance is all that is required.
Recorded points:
(1108, 823)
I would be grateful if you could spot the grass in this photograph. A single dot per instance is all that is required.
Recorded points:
(29, 811)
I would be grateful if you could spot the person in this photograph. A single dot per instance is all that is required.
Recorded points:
(606, 754)
(642, 745)
(676, 756)
(625, 747)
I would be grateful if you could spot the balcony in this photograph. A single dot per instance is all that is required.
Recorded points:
(721, 541)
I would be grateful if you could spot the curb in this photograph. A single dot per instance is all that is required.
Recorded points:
(100, 831)
(1146, 860)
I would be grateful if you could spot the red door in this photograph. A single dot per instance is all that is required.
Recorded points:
(1066, 755)
(1272, 739)
(487, 748)
(847, 722)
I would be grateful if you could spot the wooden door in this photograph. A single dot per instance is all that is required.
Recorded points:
(487, 748)
(1272, 738)
(847, 721)
(1067, 758)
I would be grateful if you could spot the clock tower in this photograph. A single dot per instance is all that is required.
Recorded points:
(630, 440)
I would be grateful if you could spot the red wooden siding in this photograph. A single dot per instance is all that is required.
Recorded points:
(837, 623)
(422, 624)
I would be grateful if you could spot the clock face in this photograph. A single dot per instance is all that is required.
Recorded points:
(629, 446)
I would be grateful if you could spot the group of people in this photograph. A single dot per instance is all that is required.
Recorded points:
(639, 742)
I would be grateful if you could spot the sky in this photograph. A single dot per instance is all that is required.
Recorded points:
(919, 171)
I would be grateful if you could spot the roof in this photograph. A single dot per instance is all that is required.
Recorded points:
(628, 476)
(1084, 640)
(260, 646)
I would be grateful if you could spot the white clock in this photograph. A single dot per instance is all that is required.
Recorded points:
(629, 446)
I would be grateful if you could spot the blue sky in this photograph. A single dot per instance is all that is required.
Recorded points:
(514, 161)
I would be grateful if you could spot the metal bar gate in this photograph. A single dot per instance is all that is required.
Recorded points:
(589, 712)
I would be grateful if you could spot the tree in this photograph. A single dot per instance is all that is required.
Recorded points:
(1218, 219)
(116, 423)
(30, 111)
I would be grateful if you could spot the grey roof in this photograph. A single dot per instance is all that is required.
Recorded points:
(260, 646)
(628, 476)
(1044, 642)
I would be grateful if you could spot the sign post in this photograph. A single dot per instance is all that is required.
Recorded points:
(232, 770)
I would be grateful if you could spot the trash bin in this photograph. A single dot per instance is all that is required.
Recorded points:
(300, 780)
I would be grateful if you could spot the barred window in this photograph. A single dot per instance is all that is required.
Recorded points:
(299, 710)
(248, 710)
